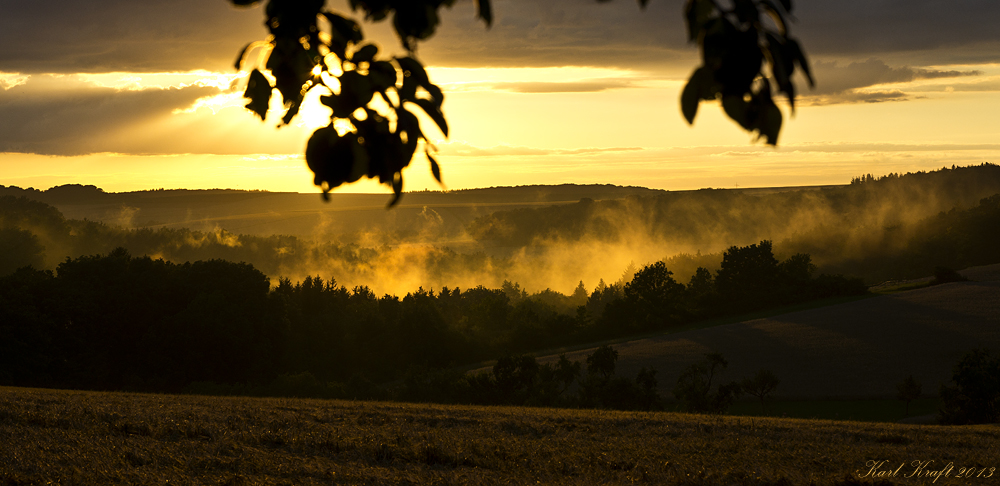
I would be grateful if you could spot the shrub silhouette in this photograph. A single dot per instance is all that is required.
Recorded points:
(946, 275)
(694, 386)
(908, 390)
(760, 386)
(975, 398)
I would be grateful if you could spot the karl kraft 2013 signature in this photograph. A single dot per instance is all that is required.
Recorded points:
(923, 469)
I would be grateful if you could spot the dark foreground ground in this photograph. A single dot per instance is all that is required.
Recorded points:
(62, 437)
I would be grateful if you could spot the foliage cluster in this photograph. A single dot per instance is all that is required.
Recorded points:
(366, 137)
(117, 321)
(745, 49)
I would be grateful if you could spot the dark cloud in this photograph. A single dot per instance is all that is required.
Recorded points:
(62, 116)
(74, 36)
(843, 83)
(937, 31)
(619, 34)
(65, 36)
(563, 32)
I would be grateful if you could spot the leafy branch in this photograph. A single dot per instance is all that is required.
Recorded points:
(377, 136)
(313, 48)
(742, 57)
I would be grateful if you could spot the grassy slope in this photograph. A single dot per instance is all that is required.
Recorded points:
(118, 438)
(856, 349)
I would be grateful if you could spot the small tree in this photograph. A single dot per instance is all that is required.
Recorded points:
(694, 386)
(649, 397)
(515, 377)
(654, 297)
(908, 390)
(761, 385)
(602, 362)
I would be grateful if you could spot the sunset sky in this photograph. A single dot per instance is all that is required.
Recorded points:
(132, 95)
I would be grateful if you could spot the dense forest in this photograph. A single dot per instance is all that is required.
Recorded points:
(115, 321)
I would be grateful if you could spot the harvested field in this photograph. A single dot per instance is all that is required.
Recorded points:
(63, 437)
(859, 349)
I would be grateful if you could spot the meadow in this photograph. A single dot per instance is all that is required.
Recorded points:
(73, 437)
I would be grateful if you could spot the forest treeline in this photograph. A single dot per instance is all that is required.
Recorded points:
(876, 228)
(116, 321)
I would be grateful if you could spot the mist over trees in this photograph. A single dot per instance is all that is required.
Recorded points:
(883, 228)
(116, 321)
(890, 227)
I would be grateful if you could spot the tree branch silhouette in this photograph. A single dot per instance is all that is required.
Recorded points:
(745, 59)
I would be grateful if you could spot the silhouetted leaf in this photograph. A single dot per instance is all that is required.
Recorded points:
(414, 21)
(365, 54)
(787, 4)
(408, 122)
(734, 54)
(239, 58)
(397, 189)
(291, 65)
(791, 96)
(746, 11)
(770, 123)
(415, 68)
(715, 41)
(382, 75)
(796, 52)
(697, 13)
(259, 92)
(781, 63)
(413, 77)
(408, 90)
(331, 157)
(737, 109)
(293, 109)
(435, 168)
(436, 95)
(355, 92)
(343, 31)
(434, 112)
(643, 3)
(344, 27)
(692, 93)
(244, 3)
(782, 66)
(485, 12)
(779, 18)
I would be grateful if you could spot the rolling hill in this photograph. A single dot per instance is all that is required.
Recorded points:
(859, 349)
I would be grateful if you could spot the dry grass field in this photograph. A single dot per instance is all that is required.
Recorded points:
(64, 437)
(859, 349)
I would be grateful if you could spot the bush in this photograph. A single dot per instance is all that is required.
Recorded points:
(975, 398)
(946, 275)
